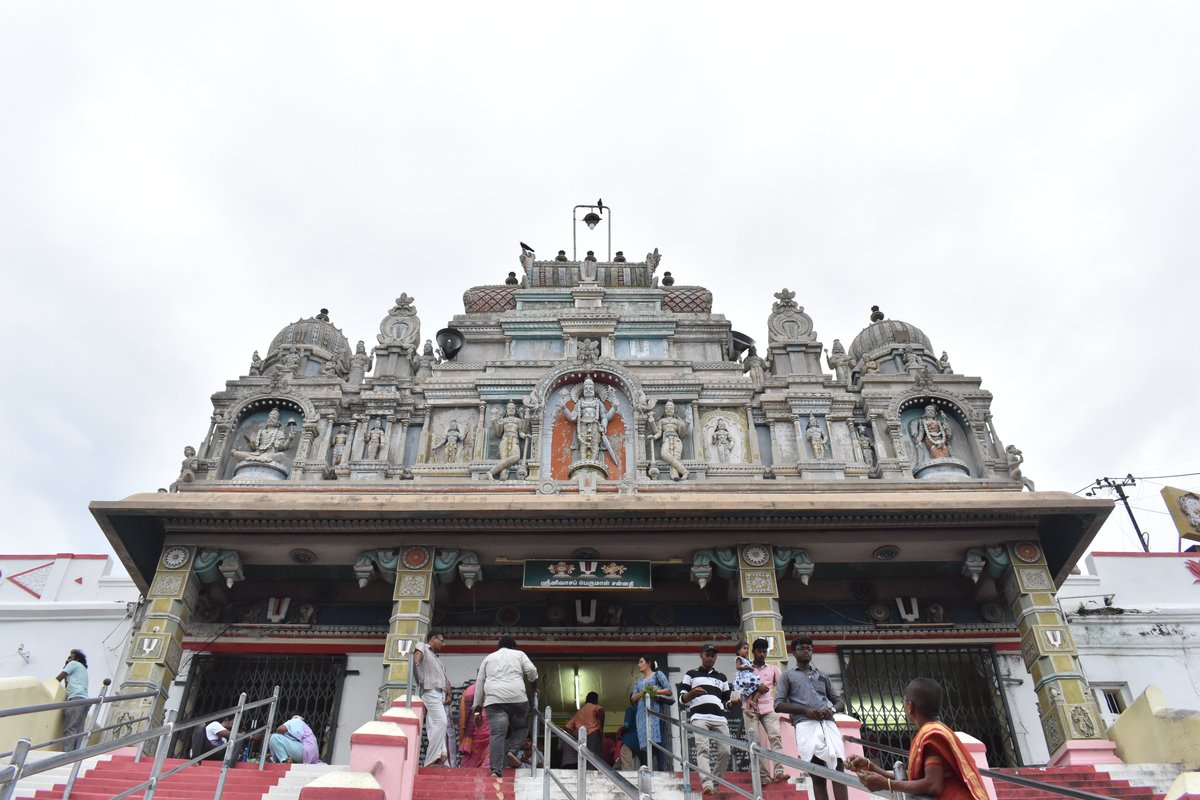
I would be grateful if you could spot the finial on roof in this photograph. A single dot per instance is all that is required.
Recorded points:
(876, 314)
(324, 315)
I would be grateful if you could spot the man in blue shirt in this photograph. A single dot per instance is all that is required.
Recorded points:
(74, 675)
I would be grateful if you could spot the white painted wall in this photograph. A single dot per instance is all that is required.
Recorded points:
(80, 606)
(1155, 639)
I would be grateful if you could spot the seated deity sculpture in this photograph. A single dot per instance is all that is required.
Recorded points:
(270, 443)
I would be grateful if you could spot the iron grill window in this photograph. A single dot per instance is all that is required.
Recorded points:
(874, 678)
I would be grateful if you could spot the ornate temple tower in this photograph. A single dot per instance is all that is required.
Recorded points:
(598, 463)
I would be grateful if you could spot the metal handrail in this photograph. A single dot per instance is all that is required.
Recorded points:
(19, 768)
(584, 756)
(757, 752)
(1020, 780)
(85, 701)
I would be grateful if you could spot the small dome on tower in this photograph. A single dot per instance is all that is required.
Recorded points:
(883, 333)
(314, 337)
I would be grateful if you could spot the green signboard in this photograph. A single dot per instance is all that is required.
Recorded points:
(589, 575)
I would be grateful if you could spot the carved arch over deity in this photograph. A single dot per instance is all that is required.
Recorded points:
(938, 436)
(264, 438)
(587, 419)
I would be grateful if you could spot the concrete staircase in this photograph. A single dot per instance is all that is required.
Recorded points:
(1086, 778)
(115, 775)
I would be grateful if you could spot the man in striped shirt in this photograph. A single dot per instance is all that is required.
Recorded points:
(706, 691)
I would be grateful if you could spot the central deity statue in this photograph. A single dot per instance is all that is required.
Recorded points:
(932, 431)
(591, 415)
(270, 443)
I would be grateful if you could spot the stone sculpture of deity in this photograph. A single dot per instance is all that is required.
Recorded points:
(512, 430)
(722, 441)
(591, 416)
(839, 361)
(932, 432)
(671, 429)
(865, 445)
(339, 445)
(816, 437)
(270, 443)
(374, 443)
(453, 443)
(755, 366)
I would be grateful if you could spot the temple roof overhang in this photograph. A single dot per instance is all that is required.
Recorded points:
(933, 524)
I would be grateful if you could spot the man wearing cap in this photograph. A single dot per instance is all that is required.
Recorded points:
(759, 709)
(706, 691)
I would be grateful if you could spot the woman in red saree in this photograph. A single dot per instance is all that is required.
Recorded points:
(938, 765)
(474, 733)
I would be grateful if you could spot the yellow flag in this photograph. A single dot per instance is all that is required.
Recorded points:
(1184, 506)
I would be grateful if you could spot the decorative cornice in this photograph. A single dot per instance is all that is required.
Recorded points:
(557, 520)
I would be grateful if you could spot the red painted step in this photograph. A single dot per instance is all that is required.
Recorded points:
(1082, 777)
(442, 783)
(197, 782)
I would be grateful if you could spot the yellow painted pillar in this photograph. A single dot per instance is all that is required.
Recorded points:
(158, 643)
(758, 599)
(412, 610)
(1068, 708)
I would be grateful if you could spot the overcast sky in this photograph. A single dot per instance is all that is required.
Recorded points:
(178, 182)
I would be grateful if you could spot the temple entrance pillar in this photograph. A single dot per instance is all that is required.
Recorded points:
(158, 643)
(758, 599)
(412, 612)
(1070, 719)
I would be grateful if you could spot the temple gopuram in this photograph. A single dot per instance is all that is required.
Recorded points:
(590, 459)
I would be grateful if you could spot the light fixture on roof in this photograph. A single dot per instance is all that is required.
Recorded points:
(593, 218)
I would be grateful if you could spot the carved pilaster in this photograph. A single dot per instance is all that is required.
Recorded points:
(758, 599)
(158, 644)
(412, 610)
(1068, 709)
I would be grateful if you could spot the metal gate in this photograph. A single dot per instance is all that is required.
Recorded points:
(310, 686)
(874, 678)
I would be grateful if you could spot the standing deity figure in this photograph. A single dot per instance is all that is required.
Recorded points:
(816, 437)
(339, 445)
(271, 441)
(671, 429)
(864, 444)
(425, 363)
(722, 440)
(452, 443)
(591, 417)
(932, 431)
(374, 442)
(511, 430)
(755, 366)
(839, 362)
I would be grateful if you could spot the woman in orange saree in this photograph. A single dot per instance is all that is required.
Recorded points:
(938, 765)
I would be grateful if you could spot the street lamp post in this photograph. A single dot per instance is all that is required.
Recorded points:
(591, 219)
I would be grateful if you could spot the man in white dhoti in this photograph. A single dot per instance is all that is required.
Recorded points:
(808, 696)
